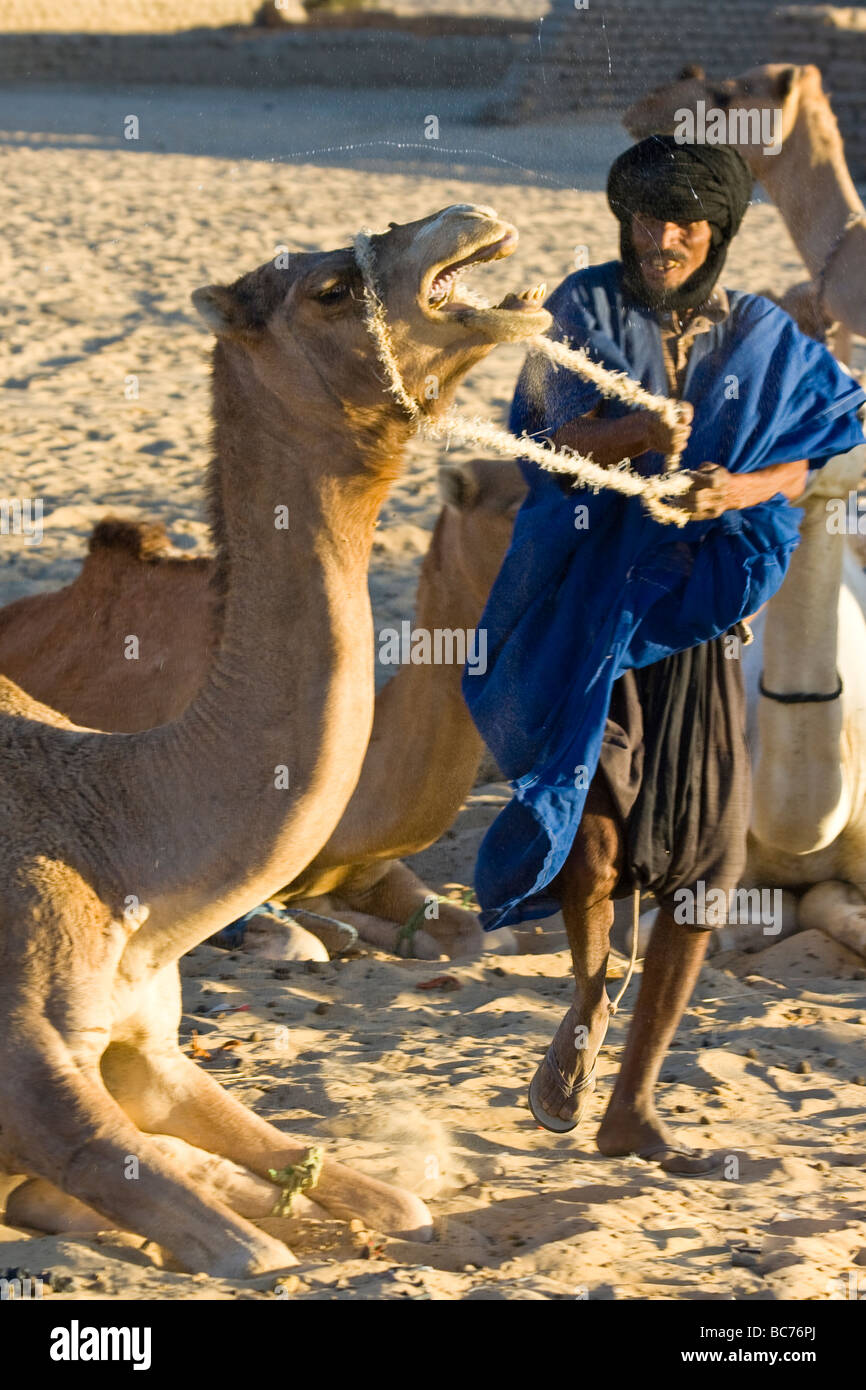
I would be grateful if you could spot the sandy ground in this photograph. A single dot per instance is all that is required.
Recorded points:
(102, 245)
(168, 16)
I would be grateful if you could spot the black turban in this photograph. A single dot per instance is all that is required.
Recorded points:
(679, 183)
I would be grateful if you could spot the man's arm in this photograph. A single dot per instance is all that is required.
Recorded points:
(634, 434)
(715, 490)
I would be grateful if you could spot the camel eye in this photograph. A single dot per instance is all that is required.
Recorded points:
(333, 293)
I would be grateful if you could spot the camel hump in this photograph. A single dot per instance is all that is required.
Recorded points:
(141, 540)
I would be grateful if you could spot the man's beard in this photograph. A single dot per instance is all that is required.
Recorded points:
(693, 292)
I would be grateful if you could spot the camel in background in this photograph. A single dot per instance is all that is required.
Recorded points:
(808, 823)
(67, 649)
(122, 851)
(808, 179)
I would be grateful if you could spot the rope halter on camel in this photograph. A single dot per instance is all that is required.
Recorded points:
(484, 433)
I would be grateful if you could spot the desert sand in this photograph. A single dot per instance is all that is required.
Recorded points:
(170, 16)
(105, 408)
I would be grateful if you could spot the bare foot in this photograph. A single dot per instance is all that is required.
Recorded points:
(576, 1046)
(630, 1130)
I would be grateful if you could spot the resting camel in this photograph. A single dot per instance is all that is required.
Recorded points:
(66, 649)
(122, 851)
(808, 825)
(808, 179)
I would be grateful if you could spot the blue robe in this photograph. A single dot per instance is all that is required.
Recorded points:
(574, 605)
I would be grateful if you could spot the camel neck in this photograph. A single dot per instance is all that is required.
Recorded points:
(799, 744)
(801, 634)
(417, 783)
(815, 214)
(267, 754)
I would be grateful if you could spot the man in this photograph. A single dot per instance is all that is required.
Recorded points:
(609, 633)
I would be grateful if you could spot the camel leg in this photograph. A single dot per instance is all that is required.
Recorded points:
(166, 1092)
(397, 893)
(839, 910)
(59, 1124)
(385, 935)
(585, 884)
(41, 1206)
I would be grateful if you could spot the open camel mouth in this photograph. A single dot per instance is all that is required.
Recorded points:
(439, 295)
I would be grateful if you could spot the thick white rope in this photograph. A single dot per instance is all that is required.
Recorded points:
(586, 472)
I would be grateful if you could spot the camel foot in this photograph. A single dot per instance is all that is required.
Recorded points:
(269, 935)
(337, 937)
(627, 1132)
(839, 910)
(345, 1193)
(40, 1205)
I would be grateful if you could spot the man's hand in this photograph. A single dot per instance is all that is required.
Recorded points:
(714, 490)
(711, 493)
(664, 438)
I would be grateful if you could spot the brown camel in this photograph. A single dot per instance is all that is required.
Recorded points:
(808, 179)
(67, 649)
(122, 851)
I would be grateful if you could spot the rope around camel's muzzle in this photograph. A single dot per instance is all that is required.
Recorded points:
(484, 433)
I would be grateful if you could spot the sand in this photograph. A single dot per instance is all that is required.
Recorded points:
(102, 246)
(170, 16)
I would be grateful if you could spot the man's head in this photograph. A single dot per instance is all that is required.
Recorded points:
(678, 207)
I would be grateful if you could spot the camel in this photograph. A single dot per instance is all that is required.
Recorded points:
(808, 825)
(66, 649)
(808, 178)
(122, 851)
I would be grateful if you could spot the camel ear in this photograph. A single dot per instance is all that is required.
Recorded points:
(458, 485)
(784, 83)
(222, 310)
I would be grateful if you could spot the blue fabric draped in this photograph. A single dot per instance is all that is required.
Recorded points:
(585, 595)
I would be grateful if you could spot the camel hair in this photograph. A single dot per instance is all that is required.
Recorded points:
(808, 178)
(66, 649)
(122, 851)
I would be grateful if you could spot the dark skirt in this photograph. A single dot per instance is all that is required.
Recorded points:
(676, 763)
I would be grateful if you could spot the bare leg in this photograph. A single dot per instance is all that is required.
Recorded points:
(631, 1124)
(585, 884)
(166, 1092)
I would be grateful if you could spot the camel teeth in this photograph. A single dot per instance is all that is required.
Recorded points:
(536, 294)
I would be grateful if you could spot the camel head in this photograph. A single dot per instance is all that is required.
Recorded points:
(482, 498)
(774, 87)
(300, 319)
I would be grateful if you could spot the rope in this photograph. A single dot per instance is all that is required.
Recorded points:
(415, 921)
(585, 471)
(614, 1005)
(295, 1178)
